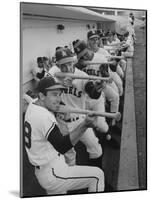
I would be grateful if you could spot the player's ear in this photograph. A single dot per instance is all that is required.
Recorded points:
(41, 96)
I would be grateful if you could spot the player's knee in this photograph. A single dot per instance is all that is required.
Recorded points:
(101, 175)
(104, 128)
(115, 98)
(95, 152)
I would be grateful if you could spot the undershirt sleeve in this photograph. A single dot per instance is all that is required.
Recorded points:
(61, 143)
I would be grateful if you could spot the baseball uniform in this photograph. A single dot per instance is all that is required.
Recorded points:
(75, 97)
(51, 170)
(110, 90)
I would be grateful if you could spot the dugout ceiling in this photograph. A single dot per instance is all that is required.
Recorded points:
(61, 12)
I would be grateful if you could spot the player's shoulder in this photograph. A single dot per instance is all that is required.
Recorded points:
(54, 69)
(80, 72)
(38, 113)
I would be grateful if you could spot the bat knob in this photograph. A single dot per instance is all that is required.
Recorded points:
(118, 116)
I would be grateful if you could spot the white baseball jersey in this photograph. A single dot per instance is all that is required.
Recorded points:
(39, 122)
(94, 69)
(129, 43)
(52, 172)
(103, 51)
(73, 96)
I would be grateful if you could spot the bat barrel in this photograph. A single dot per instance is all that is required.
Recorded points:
(64, 109)
(64, 75)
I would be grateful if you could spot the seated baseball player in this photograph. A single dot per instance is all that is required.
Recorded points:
(93, 43)
(75, 94)
(38, 71)
(46, 146)
(110, 90)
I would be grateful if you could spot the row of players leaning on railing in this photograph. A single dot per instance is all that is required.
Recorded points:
(85, 86)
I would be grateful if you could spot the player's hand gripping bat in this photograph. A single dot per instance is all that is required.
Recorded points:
(116, 116)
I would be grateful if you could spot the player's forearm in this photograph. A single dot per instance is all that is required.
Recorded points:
(78, 132)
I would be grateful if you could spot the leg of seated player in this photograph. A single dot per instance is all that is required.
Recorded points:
(99, 106)
(119, 71)
(114, 86)
(92, 144)
(117, 81)
(123, 64)
(75, 178)
(112, 97)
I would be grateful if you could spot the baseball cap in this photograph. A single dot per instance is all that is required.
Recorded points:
(48, 84)
(39, 59)
(80, 48)
(59, 48)
(45, 58)
(63, 56)
(92, 34)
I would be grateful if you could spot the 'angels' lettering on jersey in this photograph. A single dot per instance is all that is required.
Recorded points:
(93, 72)
(74, 91)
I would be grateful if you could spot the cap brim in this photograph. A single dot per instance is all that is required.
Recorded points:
(93, 36)
(55, 87)
(65, 60)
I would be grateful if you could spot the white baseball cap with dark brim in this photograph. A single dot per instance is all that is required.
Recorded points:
(94, 36)
(64, 56)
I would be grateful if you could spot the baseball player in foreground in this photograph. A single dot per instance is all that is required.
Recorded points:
(46, 146)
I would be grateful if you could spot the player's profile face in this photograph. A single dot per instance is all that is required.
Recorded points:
(94, 41)
(67, 67)
(40, 64)
(52, 100)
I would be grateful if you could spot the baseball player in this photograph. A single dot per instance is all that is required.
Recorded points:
(111, 94)
(38, 71)
(128, 44)
(130, 26)
(47, 65)
(93, 43)
(74, 95)
(45, 145)
(42, 69)
(114, 45)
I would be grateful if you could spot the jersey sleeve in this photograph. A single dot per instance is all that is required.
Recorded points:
(52, 134)
(52, 72)
(47, 125)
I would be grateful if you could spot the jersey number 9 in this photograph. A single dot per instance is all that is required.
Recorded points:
(27, 134)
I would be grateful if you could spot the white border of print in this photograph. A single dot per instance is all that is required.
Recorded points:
(9, 101)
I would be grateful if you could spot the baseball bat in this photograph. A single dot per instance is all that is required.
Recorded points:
(64, 75)
(64, 109)
(120, 57)
(96, 63)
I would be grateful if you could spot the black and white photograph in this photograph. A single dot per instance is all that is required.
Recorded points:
(83, 97)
